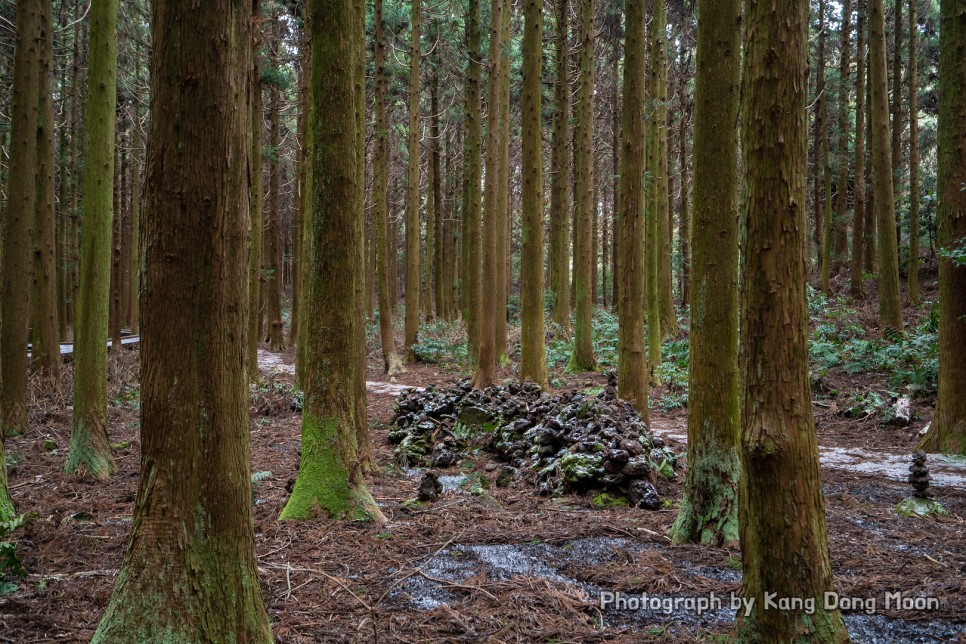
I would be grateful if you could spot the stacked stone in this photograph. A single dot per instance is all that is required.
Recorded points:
(919, 476)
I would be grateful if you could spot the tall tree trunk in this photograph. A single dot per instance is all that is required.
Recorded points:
(615, 173)
(46, 326)
(72, 251)
(412, 194)
(20, 215)
(90, 448)
(914, 295)
(652, 236)
(138, 144)
(632, 371)
(124, 211)
(685, 216)
(503, 194)
(273, 235)
(669, 323)
(839, 238)
(485, 374)
(582, 358)
(824, 170)
(255, 186)
(896, 113)
(709, 509)
(380, 200)
(428, 261)
(782, 510)
(333, 455)
(560, 173)
(301, 213)
(859, 216)
(948, 432)
(871, 234)
(533, 361)
(890, 310)
(437, 214)
(471, 256)
(190, 570)
(820, 130)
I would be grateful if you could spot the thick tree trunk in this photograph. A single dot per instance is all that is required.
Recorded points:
(914, 295)
(46, 326)
(333, 457)
(533, 361)
(413, 271)
(632, 371)
(890, 310)
(90, 448)
(190, 570)
(782, 513)
(709, 509)
(560, 171)
(582, 358)
(948, 433)
(20, 215)
(859, 216)
(471, 255)
(895, 112)
(380, 200)
(485, 374)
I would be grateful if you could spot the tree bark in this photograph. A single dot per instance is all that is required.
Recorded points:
(914, 296)
(782, 513)
(272, 263)
(503, 194)
(632, 371)
(19, 220)
(709, 509)
(948, 432)
(533, 361)
(890, 310)
(560, 171)
(413, 272)
(859, 216)
(471, 256)
(582, 358)
(485, 374)
(896, 113)
(330, 479)
(256, 186)
(90, 448)
(839, 240)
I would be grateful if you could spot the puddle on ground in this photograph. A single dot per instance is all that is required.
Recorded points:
(946, 471)
(458, 563)
(273, 363)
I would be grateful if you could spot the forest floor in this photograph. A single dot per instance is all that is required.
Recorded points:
(509, 566)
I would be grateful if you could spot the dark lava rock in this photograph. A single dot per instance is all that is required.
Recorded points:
(429, 488)
(572, 442)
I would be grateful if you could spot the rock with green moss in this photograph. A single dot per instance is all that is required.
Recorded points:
(605, 500)
(915, 506)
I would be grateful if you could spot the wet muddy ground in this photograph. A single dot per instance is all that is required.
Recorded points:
(506, 566)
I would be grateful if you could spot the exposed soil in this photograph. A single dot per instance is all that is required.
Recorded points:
(510, 566)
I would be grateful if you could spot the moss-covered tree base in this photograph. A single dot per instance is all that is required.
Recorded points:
(709, 508)
(821, 626)
(90, 452)
(330, 479)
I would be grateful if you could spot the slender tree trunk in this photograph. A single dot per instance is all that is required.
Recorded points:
(890, 310)
(90, 448)
(428, 261)
(412, 194)
(138, 145)
(896, 113)
(503, 194)
(437, 214)
(782, 513)
(380, 200)
(632, 370)
(533, 362)
(62, 211)
(332, 463)
(824, 170)
(255, 186)
(839, 238)
(858, 218)
(685, 216)
(303, 181)
(124, 271)
(306, 203)
(948, 432)
(190, 570)
(20, 215)
(869, 243)
(914, 295)
(582, 358)
(669, 323)
(560, 171)
(820, 133)
(485, 374)
(72, 252)
(272, 263)
(709, 509)
(652, 249)
(471, 255)
(615, 172)
(46, 326)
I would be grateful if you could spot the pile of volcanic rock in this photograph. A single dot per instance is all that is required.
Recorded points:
(593, 444)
